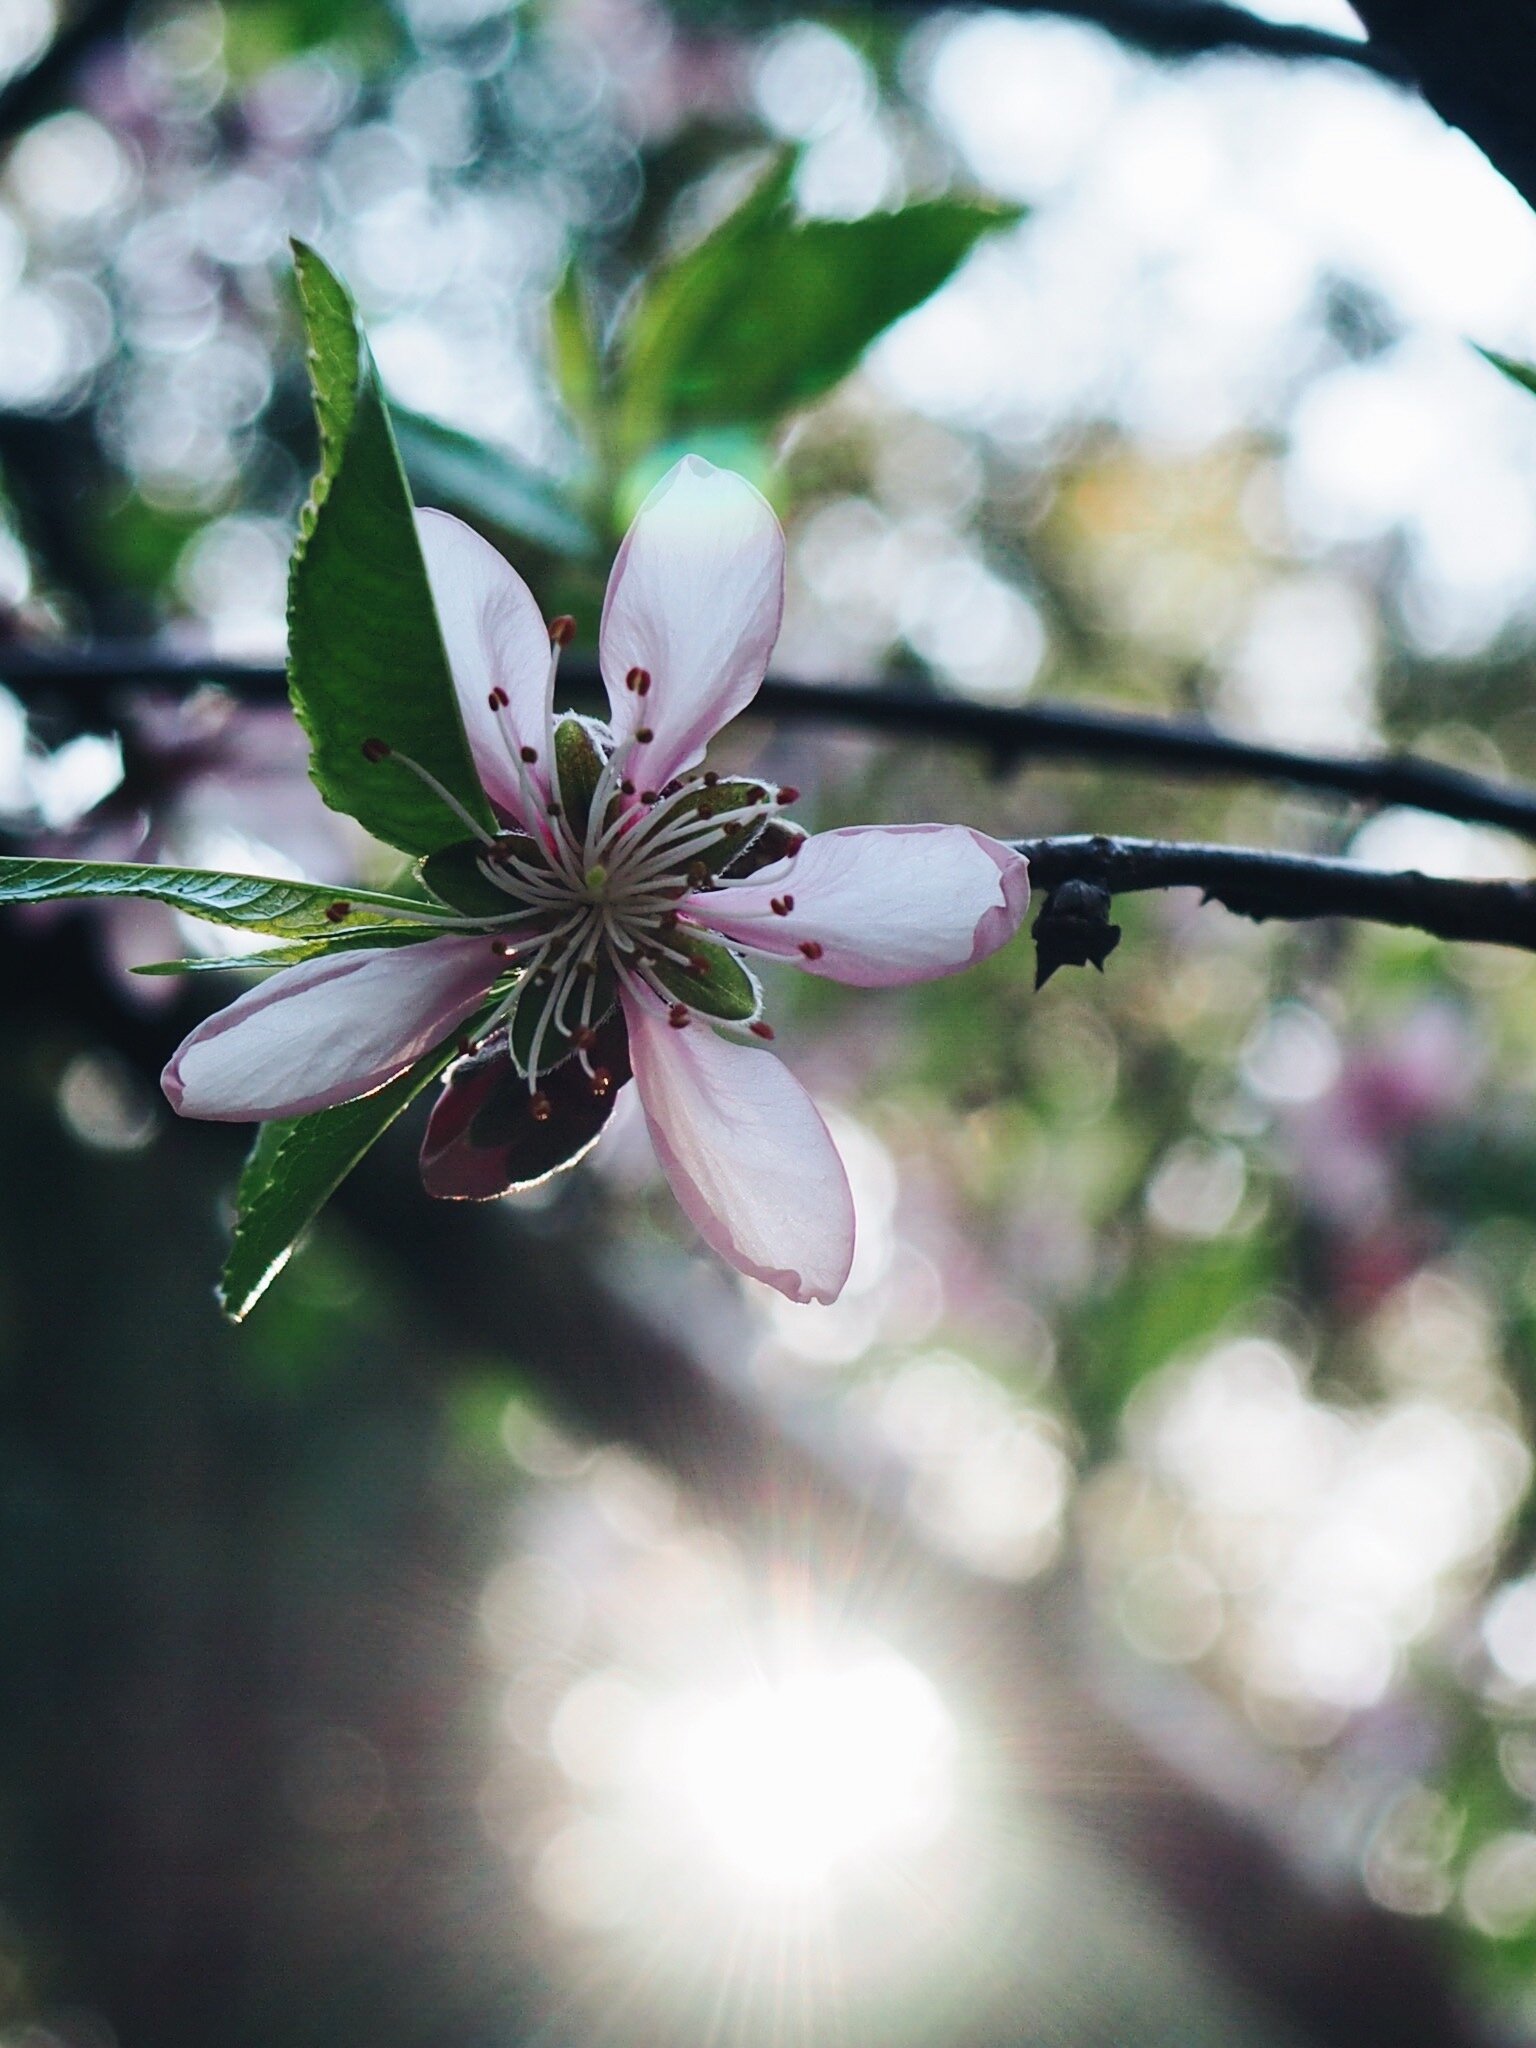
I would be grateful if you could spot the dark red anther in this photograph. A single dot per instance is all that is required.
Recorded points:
(781, 906)
(789, 796)
(552, 810)
(375, 750)
(337, 913)
(499, 699)
(678, 1016)
(528, 754)
(584, 1038)
(638, 680)
(600, 1081)
(710, 778)
(626, 787)
(650, 796)
(672, 787)
(644, 735)
(761, 1030)
(698, 963)
(540, 1108)
(562, 631)
(811, 948)
(698, 874)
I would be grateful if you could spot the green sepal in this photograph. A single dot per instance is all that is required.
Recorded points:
(295, 1167)
(253, 903)
(454, 876)
(365, 654)
(713, 801)
(715, 983)
(557, 1046)
(578, 769)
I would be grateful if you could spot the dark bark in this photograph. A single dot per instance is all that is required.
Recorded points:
(89, 681)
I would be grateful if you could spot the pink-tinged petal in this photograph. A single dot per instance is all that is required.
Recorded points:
(327, 1030)
(746, 1153)
(878, 905)
(495, 639)
(695, 599)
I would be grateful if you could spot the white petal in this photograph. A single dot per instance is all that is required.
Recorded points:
(885, 904)
(746, 1153)
(495, 638)
(695, 599)
(328, 1030)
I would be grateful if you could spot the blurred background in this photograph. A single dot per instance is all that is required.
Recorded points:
(1114, 1622)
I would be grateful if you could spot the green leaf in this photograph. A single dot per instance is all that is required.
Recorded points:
(714, 982)
(291, 956)
(293, 1170)
(253, 903)
(365, 656)
(450, 468)
(768, 313)
(576, 351)
(1523, 374)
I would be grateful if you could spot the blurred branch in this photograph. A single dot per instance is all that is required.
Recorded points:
(1292, 885)
(93, 676)
(1198, 28)
(1476, 65)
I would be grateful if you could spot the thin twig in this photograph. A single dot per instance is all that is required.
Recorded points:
(1292, 885)
(94, 677)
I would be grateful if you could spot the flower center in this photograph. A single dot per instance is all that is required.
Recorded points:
(599, 889)
(593, 881)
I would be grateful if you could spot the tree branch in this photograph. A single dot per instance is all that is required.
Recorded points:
(94, 677)
(1199, 28)
(1292, 885)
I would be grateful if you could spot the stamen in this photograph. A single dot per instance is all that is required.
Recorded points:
(644, 735)
(811, 948)
(380, 750)
(789, 796)
(562, 631)
(781, 906)
(337, 913)
(638, 681)
(760, 1029)
(540, 1108)
(679, 1017)
(528, 754)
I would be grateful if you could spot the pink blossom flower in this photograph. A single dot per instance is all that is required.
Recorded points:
(624, 887)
